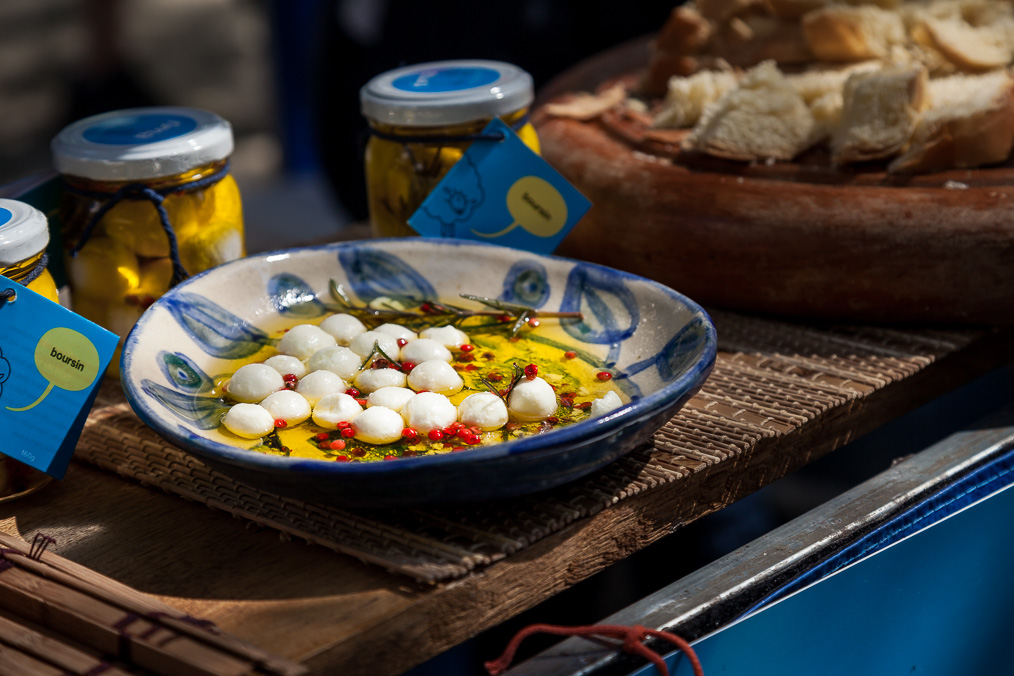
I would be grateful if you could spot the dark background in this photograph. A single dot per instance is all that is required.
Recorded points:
(285, 73)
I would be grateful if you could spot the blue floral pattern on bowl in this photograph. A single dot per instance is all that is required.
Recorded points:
(661, 344)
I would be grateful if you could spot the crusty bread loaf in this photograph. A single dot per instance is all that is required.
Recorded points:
(748, 40)
(969, 123)
(879, 113)
(585, 106)
(794, 9)
(675, 49)
(687, 97)
(826, 111)
(844, 33)
(814, 83)
(723, 10)
(972, 48)
(762, 118)
(855, 77)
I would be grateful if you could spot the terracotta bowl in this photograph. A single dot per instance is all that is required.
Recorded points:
(799, 239)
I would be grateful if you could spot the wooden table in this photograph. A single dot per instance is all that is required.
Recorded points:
(338, 615)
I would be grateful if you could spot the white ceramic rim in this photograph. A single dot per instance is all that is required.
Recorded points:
(556, 441)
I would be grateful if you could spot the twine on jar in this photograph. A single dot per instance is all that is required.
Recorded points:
(142, 192)
(9, 295)
(448, 138)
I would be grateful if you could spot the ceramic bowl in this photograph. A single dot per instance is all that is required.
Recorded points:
(661, 343)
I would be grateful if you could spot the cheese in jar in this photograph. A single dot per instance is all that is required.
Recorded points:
(148, 200)
(422, 120)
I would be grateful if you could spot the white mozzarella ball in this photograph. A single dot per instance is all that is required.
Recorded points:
(285, 365)
(429, 411)
(303, 340)
(435, 375)
(445, 335)
(531, 400)
(343, 327)
(250, 421)
(378, 425)
(393, 398)
(425, 349)
(484, 410)
(608, 402)
(335, 408)
(252, 382)
(371, 380)
(339, 360)
(363, 343)
(317, 385)
(288, 406)
(398, 331)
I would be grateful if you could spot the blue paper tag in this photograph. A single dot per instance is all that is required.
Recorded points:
(502, 192)
(51, 364)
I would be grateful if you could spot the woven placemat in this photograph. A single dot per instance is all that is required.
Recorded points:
(770, 378)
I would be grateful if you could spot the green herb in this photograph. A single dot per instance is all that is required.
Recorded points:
(378, 353)
(273, 442)
(512, 315)
(519, 373)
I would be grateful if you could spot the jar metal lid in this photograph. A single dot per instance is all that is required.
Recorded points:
(446, 92)
(24, 232)
(141, 143)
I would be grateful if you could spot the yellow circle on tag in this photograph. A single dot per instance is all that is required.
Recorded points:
(537, 206)
(67, 359)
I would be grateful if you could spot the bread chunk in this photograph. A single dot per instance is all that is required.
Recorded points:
(746, 41)
(879, 113)
(723, 10)
(676, 49)
(763, 118)
(969, 123)
(687, 97)
(972, 48)
(794, 9)
(843, 33)
(814, 84)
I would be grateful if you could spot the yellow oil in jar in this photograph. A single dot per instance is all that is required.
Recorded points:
(399, 176)
(125, 265)
(42, 285)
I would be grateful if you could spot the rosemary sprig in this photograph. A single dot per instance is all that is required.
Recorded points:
(513, 315)
(373, 356)
(274, 442)
(519, 373)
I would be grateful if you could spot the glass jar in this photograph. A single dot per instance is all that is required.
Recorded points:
(24, 236)
(147, 200)
(422, 119)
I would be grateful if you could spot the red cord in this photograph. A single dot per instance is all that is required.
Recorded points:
(632, 638)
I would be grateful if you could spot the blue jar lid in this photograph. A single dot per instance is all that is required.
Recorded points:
(141, 143)
(446, 92)
(24, 232)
